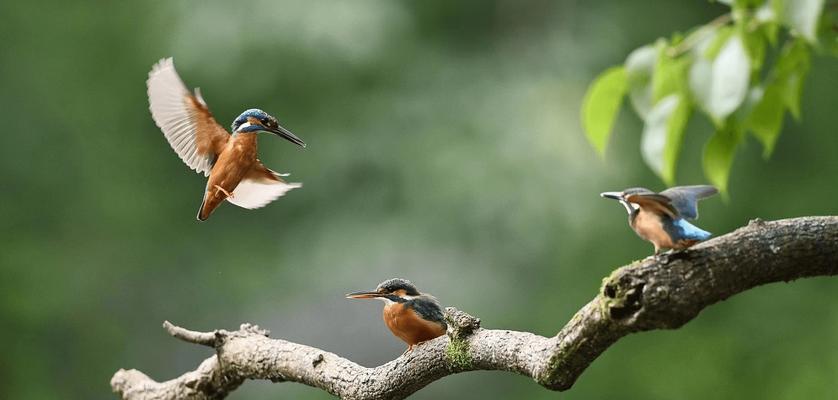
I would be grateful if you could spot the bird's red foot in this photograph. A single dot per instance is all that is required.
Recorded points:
(409, 349)
(226, 193)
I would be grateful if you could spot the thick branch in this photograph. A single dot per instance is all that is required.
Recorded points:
(662, 292)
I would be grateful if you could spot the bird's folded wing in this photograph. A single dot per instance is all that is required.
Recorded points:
(259, 187)
(653, 202)
(685, 198)
(428, 308)
(184, 118)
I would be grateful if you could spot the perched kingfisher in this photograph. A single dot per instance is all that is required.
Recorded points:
(235, 174)
(412, 316)
(661, 218)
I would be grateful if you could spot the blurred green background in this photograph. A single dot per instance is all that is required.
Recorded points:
(444, 147)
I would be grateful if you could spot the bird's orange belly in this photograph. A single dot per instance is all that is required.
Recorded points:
(649, 227)
(232, 165)
(408, 326)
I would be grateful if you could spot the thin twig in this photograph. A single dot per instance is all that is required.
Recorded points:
(205, 338)
(698, 35)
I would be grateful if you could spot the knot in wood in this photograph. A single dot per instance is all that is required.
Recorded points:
(460, 324)
(254, 329)
(623, 295)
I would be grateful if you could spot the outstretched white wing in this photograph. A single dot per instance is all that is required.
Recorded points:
(184, 118)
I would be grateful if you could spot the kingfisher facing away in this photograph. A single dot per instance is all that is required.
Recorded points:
(235, 174)
(661, 218)
(412, 316)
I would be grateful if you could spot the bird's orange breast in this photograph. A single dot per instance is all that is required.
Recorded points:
(408, 326)
(649, 227)
(234, 162)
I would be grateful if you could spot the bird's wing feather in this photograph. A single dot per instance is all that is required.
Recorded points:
(686, 230)
(685, 198)
(653, 202)
(184, 118)
(259, 187)
(428, 308)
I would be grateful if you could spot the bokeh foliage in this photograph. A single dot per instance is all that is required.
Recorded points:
(444, 147)
(743, 71)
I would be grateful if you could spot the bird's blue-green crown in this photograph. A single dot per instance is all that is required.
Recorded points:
(256, 113)
(391, 285)
(637, 190)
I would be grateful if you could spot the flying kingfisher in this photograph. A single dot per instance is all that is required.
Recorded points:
(412, 316)
(661, 218)
(235, 174)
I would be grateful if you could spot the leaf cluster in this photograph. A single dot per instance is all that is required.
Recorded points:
(743, 71)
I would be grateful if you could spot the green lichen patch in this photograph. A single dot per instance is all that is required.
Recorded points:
(458, 355)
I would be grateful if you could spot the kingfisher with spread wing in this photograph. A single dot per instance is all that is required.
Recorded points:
(661, 218)
(235, 174)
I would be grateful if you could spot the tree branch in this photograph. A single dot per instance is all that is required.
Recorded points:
(662, 292)
(204, 338)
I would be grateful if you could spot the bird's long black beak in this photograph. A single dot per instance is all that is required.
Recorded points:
(612, 195)
(363, 295)
(287, 135)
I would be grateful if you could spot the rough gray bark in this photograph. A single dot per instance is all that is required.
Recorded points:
(662, 292)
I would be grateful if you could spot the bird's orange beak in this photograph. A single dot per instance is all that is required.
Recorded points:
(363, 295)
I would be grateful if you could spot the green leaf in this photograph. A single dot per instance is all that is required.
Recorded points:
(653, 141)
(601, 106)
(828, 34)
(803, 17)
(831, 46)
(751, 100)
(793, 90)
(755, 44)
(714, 44)
(746, 4)
(719, 86)
(783, 90)
(766, 118)
(663, 135)
(779, 7)
(738, 3)
(674, 138)
(767, 11)
(771, 30)
(791, 70)
(640, 65)
(718, 156)
(670, 75)
(768, 17)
